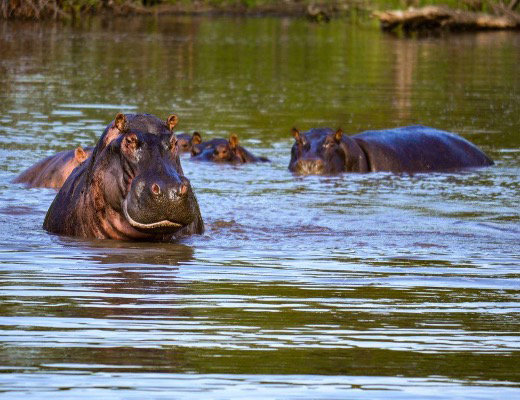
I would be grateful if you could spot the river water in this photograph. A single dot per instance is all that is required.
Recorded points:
(350, 286)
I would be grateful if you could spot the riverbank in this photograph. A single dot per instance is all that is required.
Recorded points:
(464, 16)
(59, 9)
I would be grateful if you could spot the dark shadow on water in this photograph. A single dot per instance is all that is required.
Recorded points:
(130, 253)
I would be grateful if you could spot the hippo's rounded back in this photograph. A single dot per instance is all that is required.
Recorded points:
(54, 170)
(419, 148)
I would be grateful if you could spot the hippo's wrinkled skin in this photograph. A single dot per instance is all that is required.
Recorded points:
(52, 171)
(185, 141)
(131, 188)
(224, 151)
(408, 149)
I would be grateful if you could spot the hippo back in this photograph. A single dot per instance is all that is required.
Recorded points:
(247, 157)
(418, 148)
(52, 171)
(35, 175)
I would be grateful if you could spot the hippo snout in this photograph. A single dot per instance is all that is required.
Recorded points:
(159, 203)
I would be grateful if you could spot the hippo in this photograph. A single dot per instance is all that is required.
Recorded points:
(131, 188)
(185, 141)
(198, 148)
(224, 151)
(52, 171)
(406, 149)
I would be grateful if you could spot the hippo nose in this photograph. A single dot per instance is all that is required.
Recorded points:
(156, 189)
(171, 189)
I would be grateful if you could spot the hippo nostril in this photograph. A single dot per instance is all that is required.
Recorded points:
(176, 192)
(156, 189)
(183, 189)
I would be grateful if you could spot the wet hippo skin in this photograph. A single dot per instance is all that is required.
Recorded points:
(131, 188)
(401, 150)
(52, 171)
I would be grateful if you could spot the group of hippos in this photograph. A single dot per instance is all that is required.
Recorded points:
(131, 186)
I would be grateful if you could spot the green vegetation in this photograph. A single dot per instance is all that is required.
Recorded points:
(66, 9)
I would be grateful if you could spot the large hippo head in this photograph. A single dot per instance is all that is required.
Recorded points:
(144, 182)
(132, 188)
(324, 151)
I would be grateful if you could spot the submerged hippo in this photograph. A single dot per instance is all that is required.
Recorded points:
(198, 148)
(407, 149)
(185, 141)
(224, 151)
(52, 171)
(131, 188)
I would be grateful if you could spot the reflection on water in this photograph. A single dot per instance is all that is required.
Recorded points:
(137, 386)
(373, 285)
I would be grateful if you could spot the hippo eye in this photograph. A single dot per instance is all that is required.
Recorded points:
(132, 142)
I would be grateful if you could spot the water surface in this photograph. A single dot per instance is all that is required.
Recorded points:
(365, 286)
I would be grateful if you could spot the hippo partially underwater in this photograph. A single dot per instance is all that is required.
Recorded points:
(224, 151)
(52, 171)
(185, 141)
(401, 150)
(131, 188)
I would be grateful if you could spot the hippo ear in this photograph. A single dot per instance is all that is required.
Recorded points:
(115, 129)
(296, 134)
(233, 141)
(172, 121)
(120, 122)
(80, 155)
(196, 138)
(338, 135)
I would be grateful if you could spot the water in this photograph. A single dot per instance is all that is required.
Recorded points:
(352, 286)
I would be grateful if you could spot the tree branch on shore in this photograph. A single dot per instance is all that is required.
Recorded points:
(445, 18)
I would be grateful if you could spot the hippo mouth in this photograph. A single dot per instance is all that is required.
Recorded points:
(154, 225)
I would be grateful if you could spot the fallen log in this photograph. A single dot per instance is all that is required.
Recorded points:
(443, 18)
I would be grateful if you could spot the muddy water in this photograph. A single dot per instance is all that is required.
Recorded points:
(364, 286)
